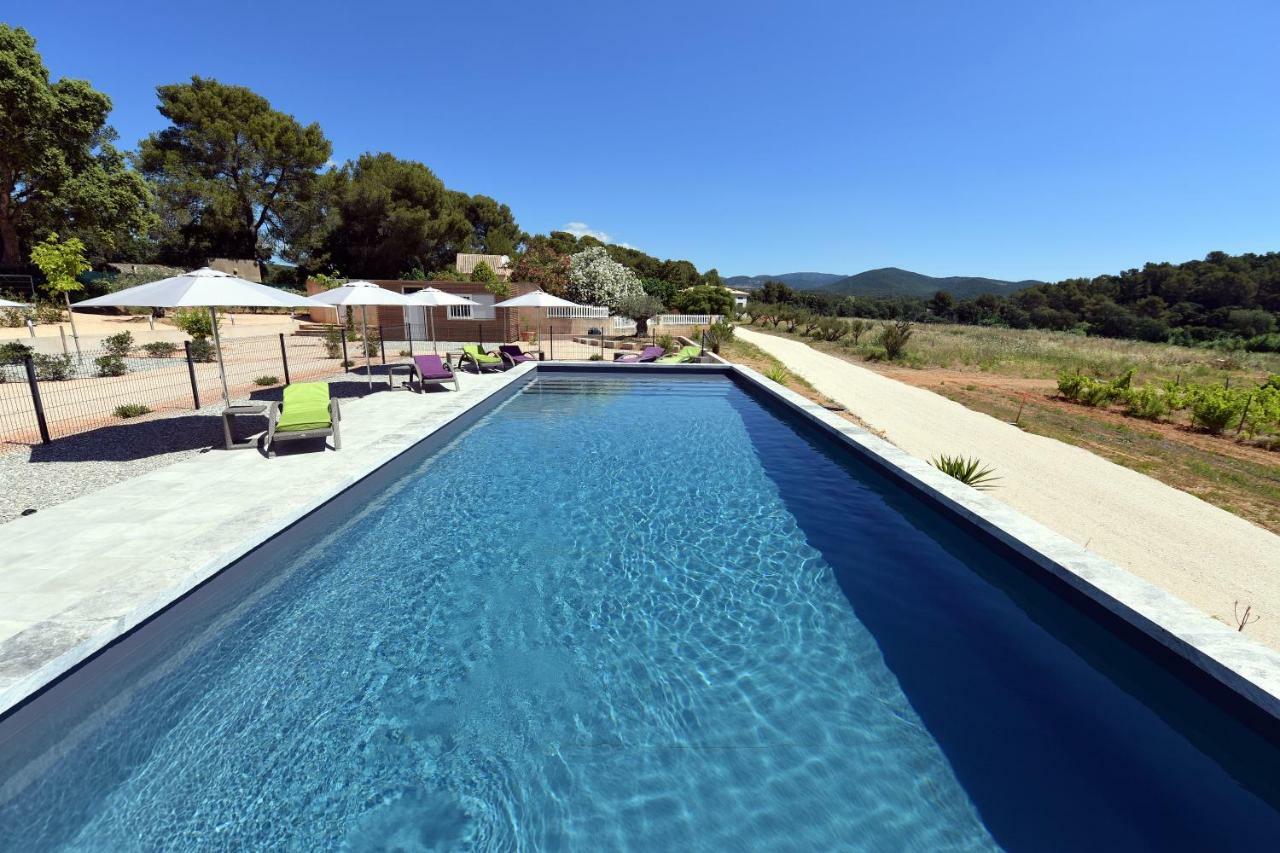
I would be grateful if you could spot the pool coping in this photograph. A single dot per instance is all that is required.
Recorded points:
(34, 683)
(1246, 668)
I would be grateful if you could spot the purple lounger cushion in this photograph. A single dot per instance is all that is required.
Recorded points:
(431, 367)
(646, 354)
(515, 353)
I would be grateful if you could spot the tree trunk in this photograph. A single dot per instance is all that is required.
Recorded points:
(72, 318)
(10, 248)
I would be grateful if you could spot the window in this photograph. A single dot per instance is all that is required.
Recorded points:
(483, 310)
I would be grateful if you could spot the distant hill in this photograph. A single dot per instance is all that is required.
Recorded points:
(797, 280)
(891, 281)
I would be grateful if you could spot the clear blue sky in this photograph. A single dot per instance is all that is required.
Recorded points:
(1029, 139)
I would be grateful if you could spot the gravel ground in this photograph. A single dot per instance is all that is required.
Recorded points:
(46, 475)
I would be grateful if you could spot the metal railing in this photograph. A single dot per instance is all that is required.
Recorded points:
(577, 312)
(687, 319)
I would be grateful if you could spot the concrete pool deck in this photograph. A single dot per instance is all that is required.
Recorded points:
(1204, 555)
(77, 575)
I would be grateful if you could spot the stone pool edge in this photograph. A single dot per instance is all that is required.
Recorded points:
(1248, 669)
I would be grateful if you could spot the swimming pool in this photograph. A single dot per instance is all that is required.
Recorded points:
(636, 611)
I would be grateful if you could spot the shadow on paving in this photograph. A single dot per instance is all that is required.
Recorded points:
(127, 442)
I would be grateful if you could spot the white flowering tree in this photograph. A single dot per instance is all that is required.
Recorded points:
(597, 279)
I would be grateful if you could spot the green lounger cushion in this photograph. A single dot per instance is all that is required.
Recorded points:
(484, 358)
(306, 406)
(687, 353)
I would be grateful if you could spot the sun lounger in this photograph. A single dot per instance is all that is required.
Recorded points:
(688, 353)
(307, 412)
(429, 369)
(480, 359)
(645, 355)
(513, 355)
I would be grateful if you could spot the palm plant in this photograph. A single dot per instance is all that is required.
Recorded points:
(778, 374)
(972, 472)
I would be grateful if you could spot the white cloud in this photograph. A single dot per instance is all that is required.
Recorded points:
(582, 229)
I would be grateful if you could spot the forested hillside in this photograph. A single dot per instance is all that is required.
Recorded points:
(1223, 299)
(895, 282)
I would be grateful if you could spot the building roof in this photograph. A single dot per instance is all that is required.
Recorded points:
(467, 262)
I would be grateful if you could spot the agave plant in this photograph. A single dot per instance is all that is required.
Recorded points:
(778, 374)
(972, 472)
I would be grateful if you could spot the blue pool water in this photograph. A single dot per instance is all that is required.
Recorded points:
(649, 613)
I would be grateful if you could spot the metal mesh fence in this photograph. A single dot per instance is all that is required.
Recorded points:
(76, 392)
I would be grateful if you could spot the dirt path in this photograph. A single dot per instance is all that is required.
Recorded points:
(1201, 553)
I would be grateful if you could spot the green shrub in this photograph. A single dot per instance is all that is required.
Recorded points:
(972, 472)
(1094, 392)
(1214, 408)
(132, 410)
(832, 329)
(1263, 414)
(118, 344)
(778, 374)
(372, 343)
(194, 321)
(858, 328)
(52, 368)
(667, 342)
(111, 365)
(718, 334)
(1070, 385)
(404, 353)
(348, 363)
(894, 337)
(202, 349)
(49, 313)
(1146, 402)
(333, 343)
(13, 318)
(160, 349)
(14, 352)
(1177, 396)
(266, 381)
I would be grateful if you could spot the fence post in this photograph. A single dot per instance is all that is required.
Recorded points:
(344, 349)
(35, 398)
(63, 334)
(382, 342)
(284, 358)
(191, 371)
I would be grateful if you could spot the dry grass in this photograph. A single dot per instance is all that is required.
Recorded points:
(1036, 354)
